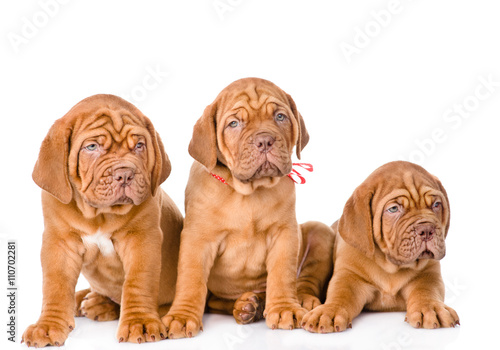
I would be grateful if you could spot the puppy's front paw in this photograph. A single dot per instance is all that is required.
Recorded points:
(248, 308)
(431, 314)
(327, 318)
(308, 301)
(284, 315)
(182, 325)
(47, 332)
(140, 328)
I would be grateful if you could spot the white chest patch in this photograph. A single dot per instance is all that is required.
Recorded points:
(101, 240)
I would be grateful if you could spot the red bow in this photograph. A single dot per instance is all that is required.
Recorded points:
(295, 173)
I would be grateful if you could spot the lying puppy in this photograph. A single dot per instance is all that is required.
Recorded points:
(388, 244)
(100, 167)
(241, 241)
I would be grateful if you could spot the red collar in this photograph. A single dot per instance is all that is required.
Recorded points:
(294, 174)
(219, 178)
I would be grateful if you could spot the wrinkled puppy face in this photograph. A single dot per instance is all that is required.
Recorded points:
(114, 160)
(251, 128)
(106, 151)
(400, 209)
(414, 223)
(255, 134)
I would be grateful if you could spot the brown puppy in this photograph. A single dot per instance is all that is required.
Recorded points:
(388, 244)
(105, 216)
(241, 238)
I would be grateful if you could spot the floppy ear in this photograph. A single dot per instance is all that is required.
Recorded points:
(51, 168)
(162, 166)
(303, 137)
(203, 145)
(448, 211)
(356, 222)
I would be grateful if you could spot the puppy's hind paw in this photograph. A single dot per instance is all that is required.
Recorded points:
(248, 308)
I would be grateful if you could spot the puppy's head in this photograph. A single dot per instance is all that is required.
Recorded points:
(251, 127)
(104, 149)
(400, 209)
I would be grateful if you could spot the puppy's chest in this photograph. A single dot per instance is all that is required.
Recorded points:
(98, 243)
(389, 297)
(243, 251)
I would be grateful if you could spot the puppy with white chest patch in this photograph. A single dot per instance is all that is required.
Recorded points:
(100, 167)
(388, 244)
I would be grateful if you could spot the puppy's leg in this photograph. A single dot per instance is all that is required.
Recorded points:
(97, 307)
(216, 305)
(163, 309)
(139, 319)
(78, 301)
(196, 258)
(315, 263)
(61, 265)
(347, 295)
(425, 301)
(283, 310)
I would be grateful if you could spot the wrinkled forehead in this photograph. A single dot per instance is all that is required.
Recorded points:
(412, 189)
(117, 123)
(252, 96)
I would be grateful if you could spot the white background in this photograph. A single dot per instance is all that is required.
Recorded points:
(411, 66)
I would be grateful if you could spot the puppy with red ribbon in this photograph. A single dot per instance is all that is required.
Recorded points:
(242, 250)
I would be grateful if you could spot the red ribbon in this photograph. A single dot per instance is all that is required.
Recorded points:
(295, 173)
(219, 178)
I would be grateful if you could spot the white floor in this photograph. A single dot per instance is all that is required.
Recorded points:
(370, 331)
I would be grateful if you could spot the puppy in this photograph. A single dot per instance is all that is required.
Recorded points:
(241, 242)
(388, 244)
(100, 167)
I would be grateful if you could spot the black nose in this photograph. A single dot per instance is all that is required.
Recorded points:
(124, 175)
(426, 231)
(264, 142)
